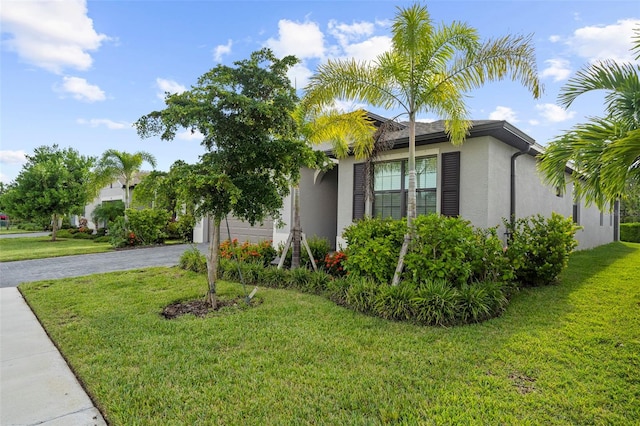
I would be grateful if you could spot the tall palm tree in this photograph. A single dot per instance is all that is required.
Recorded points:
(604, 152)
(116, 164)
(429, 68)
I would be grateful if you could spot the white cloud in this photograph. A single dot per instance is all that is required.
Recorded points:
(80, 89)
(368, 49)
(221, 50)
(554, 38)
(533, 122)
(605, 42)
(304, 40)
(299, 75)
(109, 124)
(426, 120)
(347, 33)
(53, 35)
(504, 113)
(557, 68)
(188, 135)
(348, 106)
(554, 113)
(13, 157)
(169, 86)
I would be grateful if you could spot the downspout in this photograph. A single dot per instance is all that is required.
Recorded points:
(512, 206)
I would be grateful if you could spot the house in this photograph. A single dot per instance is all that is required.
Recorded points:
(492, 176)
(115, 191)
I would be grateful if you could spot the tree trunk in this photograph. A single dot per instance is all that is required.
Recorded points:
(411, 200)
(297, 229)
(212, 262)
(54, 227)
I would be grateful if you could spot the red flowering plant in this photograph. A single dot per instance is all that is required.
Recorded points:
(132, 240)
(333, 263)
(262, 252)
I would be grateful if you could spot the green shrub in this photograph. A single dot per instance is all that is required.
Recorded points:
(148, 225)
(274, 277)
(435, 303)
(539, 247)
(320, 248)
(101, 232)
(64, 233)
(395, 302)
(181, 228)
(361, 295)
(337, 290)
(82, 236)
(193, 260)
(374, 239)
(473, 304)
(630, 232)
(118, 233)
(103, 239)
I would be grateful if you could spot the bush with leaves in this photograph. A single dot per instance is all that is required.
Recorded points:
(262, 252)
(369, 239)
(148, 225)
(334, 263)
(319, 246)
(193, 260)
(539, 247)
(630, 232)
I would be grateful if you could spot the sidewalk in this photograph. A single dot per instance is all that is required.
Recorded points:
(36, 384)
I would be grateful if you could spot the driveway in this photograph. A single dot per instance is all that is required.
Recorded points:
(13, 273)
(30, 234)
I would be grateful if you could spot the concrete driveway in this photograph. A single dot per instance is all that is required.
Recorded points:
(13, 273)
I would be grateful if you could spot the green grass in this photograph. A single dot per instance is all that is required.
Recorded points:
(41, 247)
(567, 354)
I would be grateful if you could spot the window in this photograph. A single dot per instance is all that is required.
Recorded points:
(391, 183)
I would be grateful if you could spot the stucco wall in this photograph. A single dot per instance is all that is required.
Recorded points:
(318, 207)
(485, 189)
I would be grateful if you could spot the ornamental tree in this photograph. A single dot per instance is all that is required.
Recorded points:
(253, 153)
(52, 183)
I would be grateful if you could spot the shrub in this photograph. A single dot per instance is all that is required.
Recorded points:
(362, 294)
(395, 302)
(539, 247)
(630, 232)
(193, 260)
(435, 303)
(148, 225)
(103, 239)
(334, 263)
(118, 235)
(64, 233)
(320, 247)
(181, 228)
(101, 232)
(82, 236)
(379, 239)
(262, 252)
(85, 230)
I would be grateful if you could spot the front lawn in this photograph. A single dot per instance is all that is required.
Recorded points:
(567, 354)
(41, 247)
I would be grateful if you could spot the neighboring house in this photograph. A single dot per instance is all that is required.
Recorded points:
(115, 191)
(491, 176)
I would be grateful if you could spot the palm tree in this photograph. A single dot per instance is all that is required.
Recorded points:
(604, 152)
(116, 164)
(352, 131)
(429, 68)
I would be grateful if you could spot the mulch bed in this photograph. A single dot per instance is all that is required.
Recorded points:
(199, 308)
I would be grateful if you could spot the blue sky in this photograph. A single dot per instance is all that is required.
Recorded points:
(78, 74)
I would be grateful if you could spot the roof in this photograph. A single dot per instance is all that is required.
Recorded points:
(434, 132)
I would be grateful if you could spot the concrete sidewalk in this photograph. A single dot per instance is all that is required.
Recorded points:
(37, 387)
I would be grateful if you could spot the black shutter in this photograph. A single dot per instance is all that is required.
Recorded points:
(450, 189)
(358, 190)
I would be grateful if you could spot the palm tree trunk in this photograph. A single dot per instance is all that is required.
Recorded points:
(212, 262)
(411, 201)
(297, 229)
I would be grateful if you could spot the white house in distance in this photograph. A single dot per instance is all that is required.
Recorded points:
(491, 176)
(115, 191)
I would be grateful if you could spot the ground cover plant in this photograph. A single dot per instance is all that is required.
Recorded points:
(560, 354)
(41, 247)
